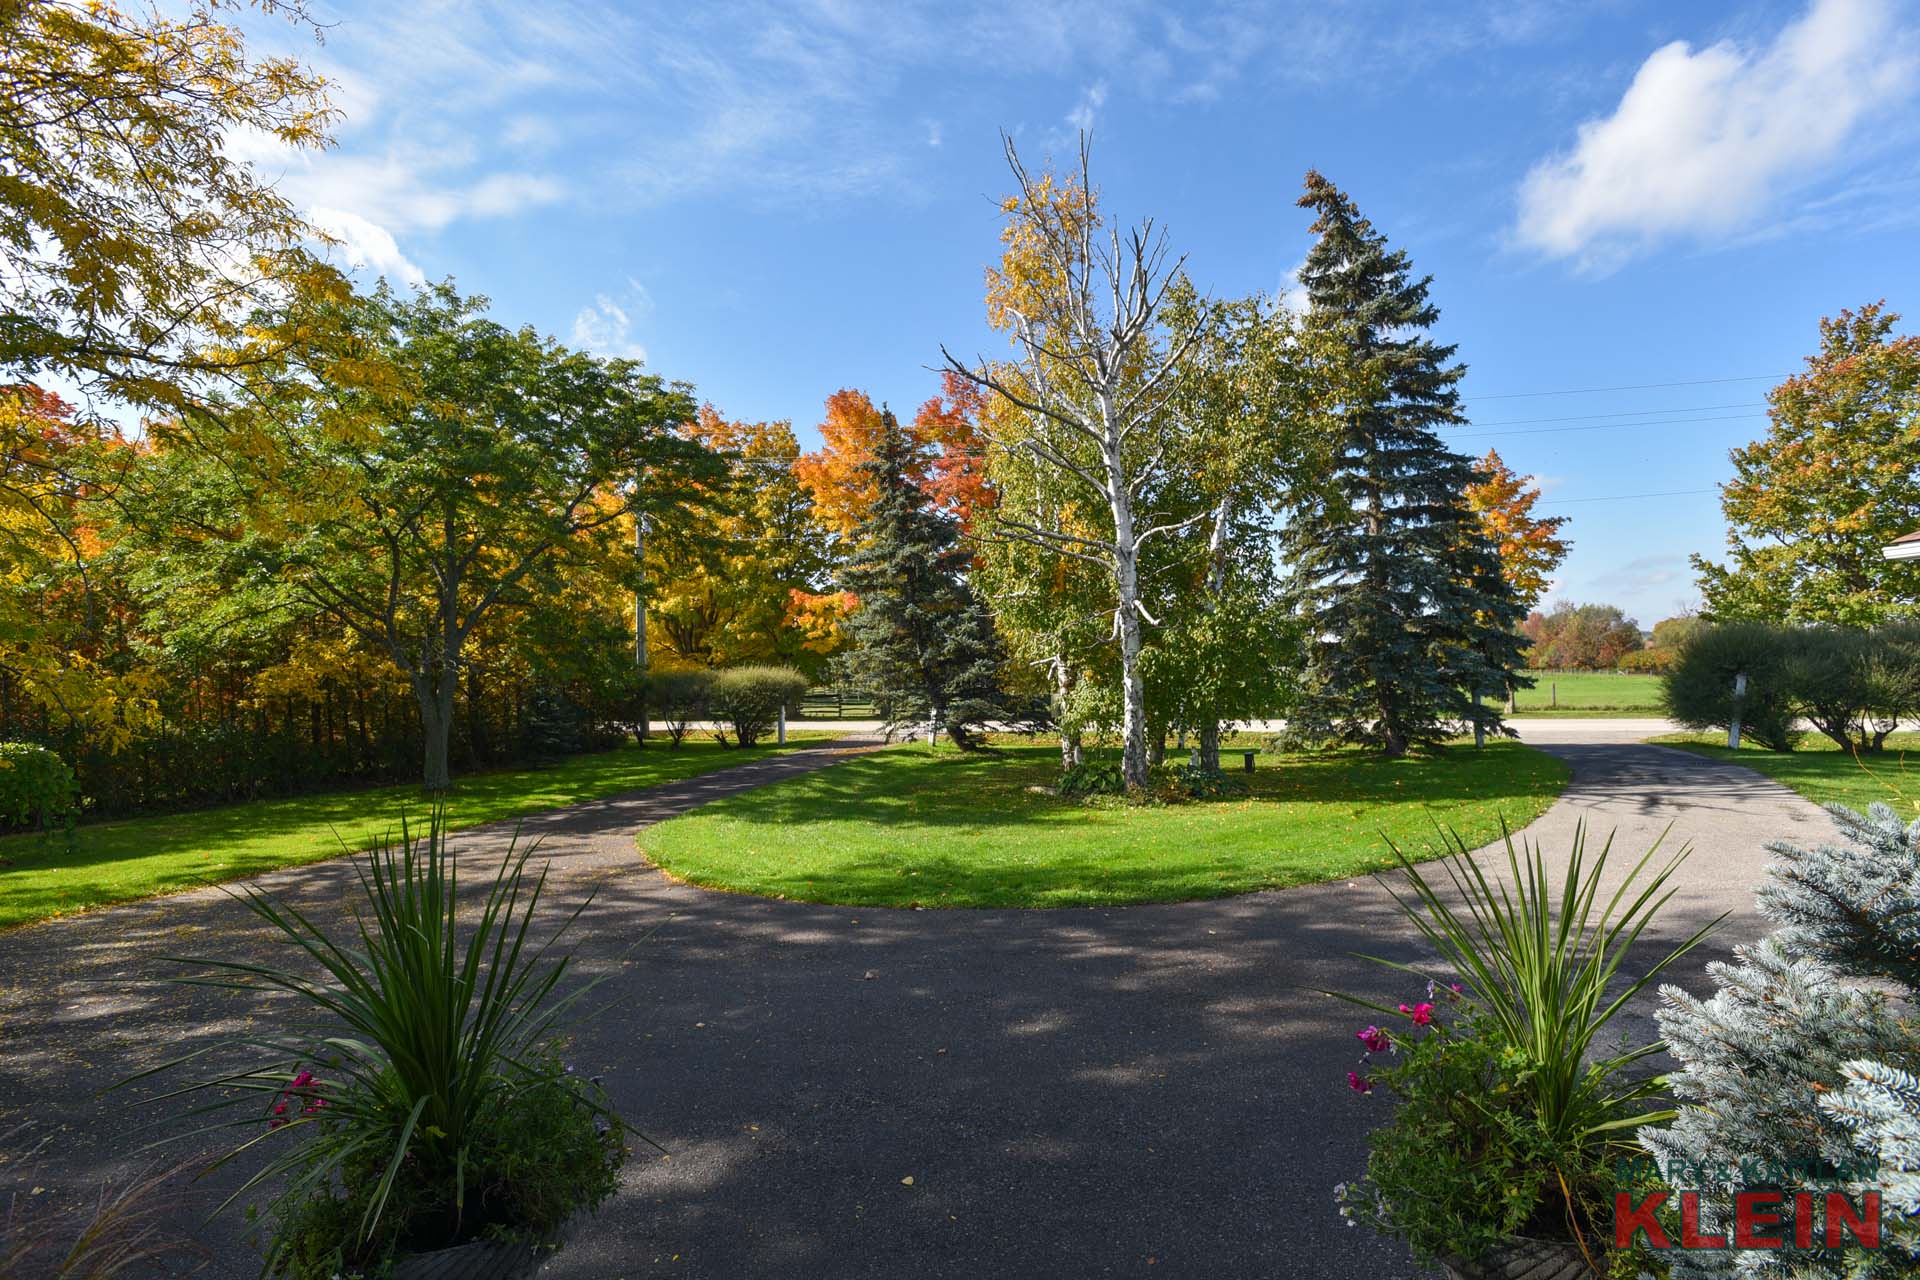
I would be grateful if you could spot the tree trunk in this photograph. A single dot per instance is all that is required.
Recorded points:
(1062, 690)
(1126, 578)
(1209, 748)
(436, 699)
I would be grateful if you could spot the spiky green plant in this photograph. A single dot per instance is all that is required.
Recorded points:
(418, 1033)
(1545, 969)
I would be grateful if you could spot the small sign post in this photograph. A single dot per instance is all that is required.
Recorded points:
(781, 733)
(1733, 724)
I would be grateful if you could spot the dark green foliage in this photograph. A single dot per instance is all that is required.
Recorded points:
(36, 787)
(543, 1155)
(922, 641)
(1093, 778)
(1698, 692)
(1464, 1163)
(1854, 686)
(675, 699)
(750, 699)
(1405, 608)
(1512, 1066)
(416, 1084)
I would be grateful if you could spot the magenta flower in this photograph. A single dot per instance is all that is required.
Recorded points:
(1375, 1039)
(1359, 1083)
(1421, 1013)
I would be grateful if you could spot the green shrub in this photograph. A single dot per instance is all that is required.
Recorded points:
(677, 698)
(1463, 1165)
(417, 1088)
(750, 699)
(1093, 778)
(1698, 691)
(36, 787)
(1194, 782)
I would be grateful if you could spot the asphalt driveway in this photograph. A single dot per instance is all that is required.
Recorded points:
(1152, 1091)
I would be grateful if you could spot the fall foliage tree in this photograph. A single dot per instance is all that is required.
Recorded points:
(949, 423)
(62, 625)
(135, 244)
(728, 579)
(1834, 480)
(1580, 637)
(429, 468)
(1530, 547)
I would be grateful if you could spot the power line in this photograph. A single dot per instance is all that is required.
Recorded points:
(1606, 426)
(1638, 386)
(1628, 497)
(1623, 413)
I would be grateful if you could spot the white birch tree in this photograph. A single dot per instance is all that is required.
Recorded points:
(1095, 367)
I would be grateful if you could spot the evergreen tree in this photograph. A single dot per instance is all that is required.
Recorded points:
(1800, 1065)
(921, 641)
(1407, 613)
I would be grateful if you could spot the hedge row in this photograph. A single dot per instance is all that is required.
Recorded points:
(1853, 686)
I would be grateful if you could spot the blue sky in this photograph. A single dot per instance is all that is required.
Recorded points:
(773, 201)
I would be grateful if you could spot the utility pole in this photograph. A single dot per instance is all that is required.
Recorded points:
(640, 597)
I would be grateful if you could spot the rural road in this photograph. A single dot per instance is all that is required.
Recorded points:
(1146, 1091)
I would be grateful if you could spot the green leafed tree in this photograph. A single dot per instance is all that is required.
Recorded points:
(1406, 611)
(422, 471)
(1835, 479)
(920, 639)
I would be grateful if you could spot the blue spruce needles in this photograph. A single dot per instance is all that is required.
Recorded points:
(1799, 1073)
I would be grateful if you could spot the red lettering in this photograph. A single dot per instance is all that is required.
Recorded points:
(1690, 1237)
(1747, 1219)
(1630, 1219)
(1803, 1220)
(1864, 1226)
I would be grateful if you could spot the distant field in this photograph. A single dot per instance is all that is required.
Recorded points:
(1590, 691)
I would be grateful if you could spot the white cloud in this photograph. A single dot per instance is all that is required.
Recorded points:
(1705, 141)
(1081, 117)
(367, 244)
(604, 328)
(935, 135)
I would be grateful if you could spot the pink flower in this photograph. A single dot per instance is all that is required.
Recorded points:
(1359, 1083)
(302, 1080)
(1375, 1039)
(1421, 1013)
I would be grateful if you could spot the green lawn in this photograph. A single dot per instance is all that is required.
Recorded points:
(908, 828)
(1823, 773)
(140, 857)
(1591, 691)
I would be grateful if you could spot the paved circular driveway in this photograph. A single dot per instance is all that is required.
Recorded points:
(1151, 1091)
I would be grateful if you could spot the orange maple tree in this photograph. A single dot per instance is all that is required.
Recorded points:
(1530, 546)
(949, 463)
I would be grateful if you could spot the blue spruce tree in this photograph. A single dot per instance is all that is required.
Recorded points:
(1799, 1073)
(1402, 598)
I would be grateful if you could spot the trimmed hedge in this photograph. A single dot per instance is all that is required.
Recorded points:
(750, 699)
